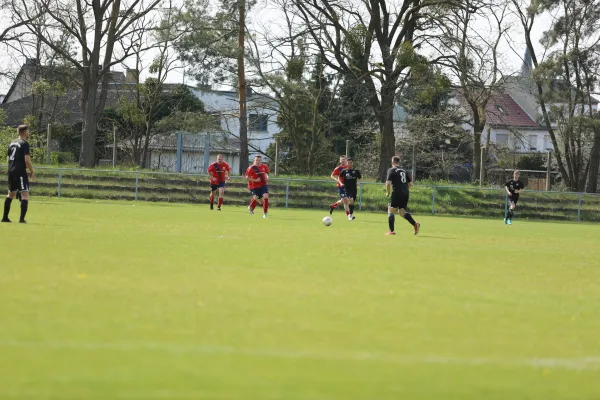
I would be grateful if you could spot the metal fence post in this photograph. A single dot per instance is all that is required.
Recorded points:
(137, 184)
(206, 152)
(287, 193)
(433, 200)
(360, 197)
(59, 181)
(178, 160)
(579, 208)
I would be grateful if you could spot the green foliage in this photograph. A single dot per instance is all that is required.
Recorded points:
(304, 120)
(433, 127)
(7, 135)
(62, 157)
(534, 162)
(295, 68)
(210, 43)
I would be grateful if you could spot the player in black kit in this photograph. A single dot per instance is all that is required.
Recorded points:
(513, 187)
(348, 180)
(399, 181)
(18, 163)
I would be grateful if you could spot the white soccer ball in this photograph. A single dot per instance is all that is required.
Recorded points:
(327, 221)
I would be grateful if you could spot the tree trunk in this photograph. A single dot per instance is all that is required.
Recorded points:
(88, 134)
(477, 131)
(244, 154)
(476, 155)
(387, 146)
(594, 165)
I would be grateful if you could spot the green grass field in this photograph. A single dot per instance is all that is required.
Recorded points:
(123, 300)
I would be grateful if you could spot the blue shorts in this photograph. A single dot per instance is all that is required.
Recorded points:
(215, 187)
(258, 192)
(342, 192)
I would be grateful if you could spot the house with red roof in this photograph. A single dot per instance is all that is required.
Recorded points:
(509, 125)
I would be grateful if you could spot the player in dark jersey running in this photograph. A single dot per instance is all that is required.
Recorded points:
(335, 176)
(513, 188)
(219, 172)
(348, 180)
(19, 162)
(400, 182)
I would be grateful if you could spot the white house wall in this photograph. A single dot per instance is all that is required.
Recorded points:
(226, 104)
(521, 142)
(192, 161)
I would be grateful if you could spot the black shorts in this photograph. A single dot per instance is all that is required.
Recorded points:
(514, 198)
(258, 192)
(399, 200)
(350, 194)
(214, 187)
(18, 181)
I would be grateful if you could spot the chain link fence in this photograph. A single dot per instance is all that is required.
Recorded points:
(314, 194)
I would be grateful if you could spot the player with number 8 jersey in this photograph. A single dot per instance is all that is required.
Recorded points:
(400, 182)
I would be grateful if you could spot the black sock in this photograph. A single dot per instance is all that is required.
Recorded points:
(510, 214)
(391, 220)
(351, 207)
(409, 218)
(24, 204)
(7, 202)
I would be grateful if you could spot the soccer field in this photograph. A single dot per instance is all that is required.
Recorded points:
(115, 300)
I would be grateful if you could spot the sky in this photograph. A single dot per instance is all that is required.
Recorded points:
(265, 15)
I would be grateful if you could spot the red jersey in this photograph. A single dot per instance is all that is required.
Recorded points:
(218, 171)
(264, 173)
(337, 171)
(253, 172)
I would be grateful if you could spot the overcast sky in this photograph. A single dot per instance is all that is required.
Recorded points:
(266, 16)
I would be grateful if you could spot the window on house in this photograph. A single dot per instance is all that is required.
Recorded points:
(532, 142)
(501, 109)
(548, 143)
(258, 122)
(502, 139)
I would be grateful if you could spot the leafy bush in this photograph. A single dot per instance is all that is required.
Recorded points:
(62, 157)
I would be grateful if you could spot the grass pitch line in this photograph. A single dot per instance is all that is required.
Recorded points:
(562, 363)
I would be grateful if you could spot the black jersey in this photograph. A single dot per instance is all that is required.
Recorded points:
(349, 177)
(513, 185)
(400, 180)
(17, 151)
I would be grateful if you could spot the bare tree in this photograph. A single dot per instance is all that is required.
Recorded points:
(373, 41)
(476, 62)
(96, 27)
(564, 82)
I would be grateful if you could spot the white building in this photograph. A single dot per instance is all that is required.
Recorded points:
(262, 116)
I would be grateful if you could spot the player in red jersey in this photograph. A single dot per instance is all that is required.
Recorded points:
(335, 176)
(219, 172)
(258, 178)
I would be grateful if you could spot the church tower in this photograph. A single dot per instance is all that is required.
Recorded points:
(527, 64)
